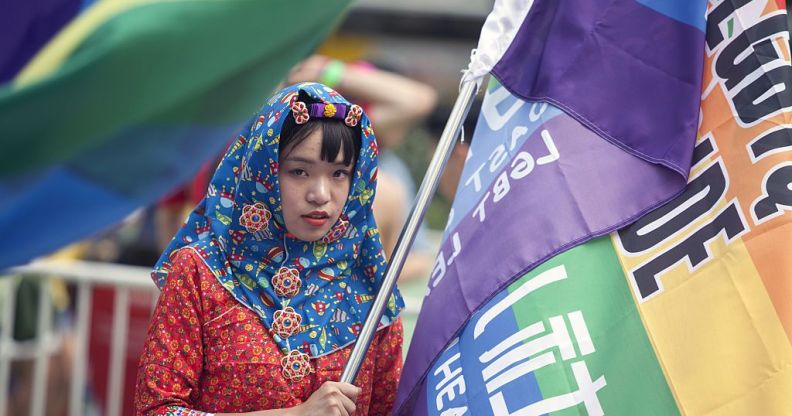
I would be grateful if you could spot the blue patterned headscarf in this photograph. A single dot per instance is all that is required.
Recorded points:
(313, 296)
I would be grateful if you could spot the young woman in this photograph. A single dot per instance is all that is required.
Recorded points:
(267, 284)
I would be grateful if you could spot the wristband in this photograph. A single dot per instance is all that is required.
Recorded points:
(332, 73)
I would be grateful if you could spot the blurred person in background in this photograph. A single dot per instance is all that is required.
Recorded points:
(396, 104)
(170, 212)
(452, 174)
(29, 341)
(267, 284)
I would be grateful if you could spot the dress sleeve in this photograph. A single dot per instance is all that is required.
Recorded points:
(172, 359)
(387, 369)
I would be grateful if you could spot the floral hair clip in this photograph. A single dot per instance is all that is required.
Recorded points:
(353, 117)
(302, 113)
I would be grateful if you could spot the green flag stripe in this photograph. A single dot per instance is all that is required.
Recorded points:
(596, 290)
(157, 63)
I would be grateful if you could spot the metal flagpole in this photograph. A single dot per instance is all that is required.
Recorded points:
(407, 236)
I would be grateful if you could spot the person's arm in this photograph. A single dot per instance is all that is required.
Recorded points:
(387, 369)
(172, 359)
(395, 102)
(390, 215)
(388, 211)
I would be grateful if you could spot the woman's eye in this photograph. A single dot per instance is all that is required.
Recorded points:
(341, 174)
(298, 172)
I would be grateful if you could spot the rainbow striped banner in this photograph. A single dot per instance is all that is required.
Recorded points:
(685, 311)
(119, 102)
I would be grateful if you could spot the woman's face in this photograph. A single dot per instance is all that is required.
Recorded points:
(313, 191)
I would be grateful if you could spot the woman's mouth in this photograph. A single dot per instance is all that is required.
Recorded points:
(316, 218)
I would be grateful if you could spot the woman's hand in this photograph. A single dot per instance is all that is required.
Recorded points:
(332, 398)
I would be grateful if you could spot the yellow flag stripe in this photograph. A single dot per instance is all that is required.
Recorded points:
(52, 55)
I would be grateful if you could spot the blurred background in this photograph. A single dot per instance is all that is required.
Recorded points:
(73, 323)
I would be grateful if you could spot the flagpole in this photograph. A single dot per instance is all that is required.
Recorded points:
(425, 192)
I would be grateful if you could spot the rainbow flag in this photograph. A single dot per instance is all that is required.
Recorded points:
(567, 283)
(106, 106)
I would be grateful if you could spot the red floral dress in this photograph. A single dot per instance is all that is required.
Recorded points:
(205, 352)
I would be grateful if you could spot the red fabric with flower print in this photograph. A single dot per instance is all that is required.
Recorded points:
(207, 352)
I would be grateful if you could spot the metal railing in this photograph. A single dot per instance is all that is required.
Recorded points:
(83, 276)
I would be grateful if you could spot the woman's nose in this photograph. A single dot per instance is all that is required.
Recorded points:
(319, 192)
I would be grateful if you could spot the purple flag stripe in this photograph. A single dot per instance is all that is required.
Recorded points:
(577, 187)
(624, 70)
